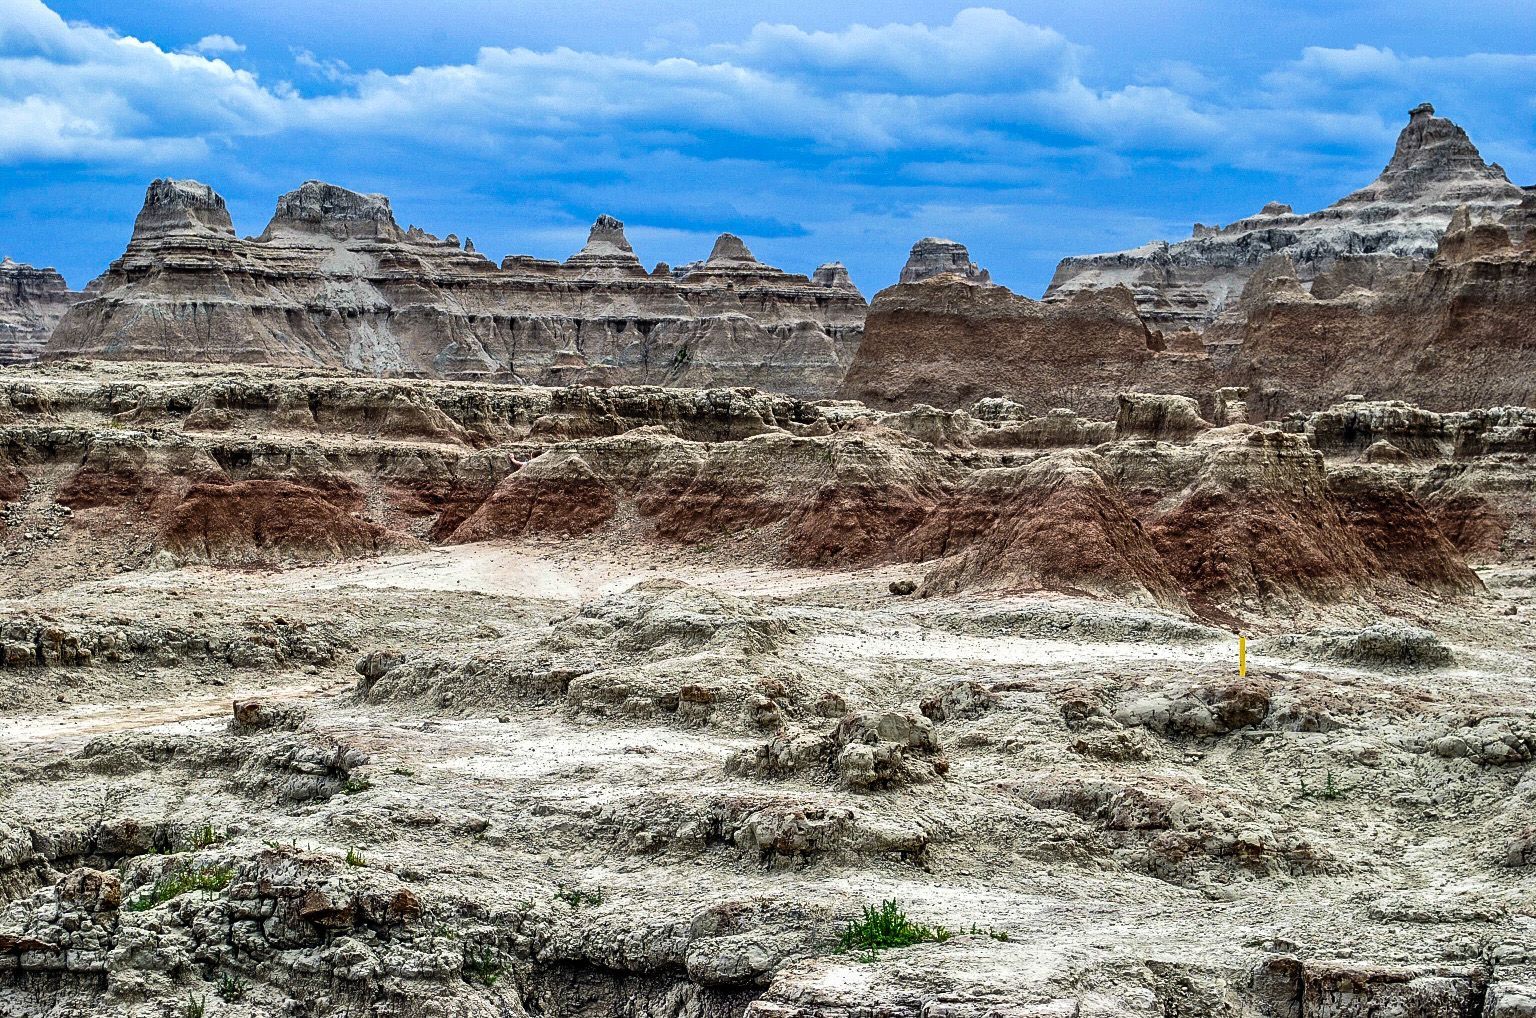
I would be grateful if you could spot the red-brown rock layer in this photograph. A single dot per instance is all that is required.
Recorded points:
(268, 522)
(1056, 524)
(951, 342)
(1236, 520)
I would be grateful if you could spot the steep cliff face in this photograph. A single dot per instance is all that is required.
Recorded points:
(32, 301)
(1457, 334)
(333, 281)
(1390, 226)
(949, 342)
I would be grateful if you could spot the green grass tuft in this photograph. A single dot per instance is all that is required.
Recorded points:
(887, 927)
(204, 836)
(576, 897)
(1329, 791)
(231, 988)
(174, 885)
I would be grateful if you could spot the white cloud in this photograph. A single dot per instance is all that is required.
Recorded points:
(330, 70)
(1362, 72)
(37, 129)
(986, 88)
(982, 50)
(213, 45)
(77, 92)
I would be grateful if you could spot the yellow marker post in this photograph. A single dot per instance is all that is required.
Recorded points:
(1242, 656)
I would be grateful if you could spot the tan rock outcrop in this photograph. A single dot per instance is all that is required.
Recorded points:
(934, 256)
(1456, 335)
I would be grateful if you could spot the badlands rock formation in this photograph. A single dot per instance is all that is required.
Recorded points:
(932, 256)
(1276, 314)
(323, 693)
(242, 469)
(334, 282)
(1394, 293)
(628, 702)
(1390, 225)
(31, 303)
(950, 341)
(1454, 335)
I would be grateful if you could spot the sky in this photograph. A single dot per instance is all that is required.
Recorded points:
(817, 131)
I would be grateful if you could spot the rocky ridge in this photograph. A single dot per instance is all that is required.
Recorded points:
(1434, 252)
(1459, 333)
(1391, 225)
(1459, 336)
(950, 341)
(1157, 507)
(333, 281)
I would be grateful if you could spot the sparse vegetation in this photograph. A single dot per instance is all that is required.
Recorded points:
(886, 927)
(195, 1006)
(483, 965)
(1001, 935)
(355, 785)
(231, 988)
(355, 858)
(1330, 790)
(576, 897)
(204, 836)
(174, 885)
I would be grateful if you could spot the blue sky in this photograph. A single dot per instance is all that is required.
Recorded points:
(818, 131)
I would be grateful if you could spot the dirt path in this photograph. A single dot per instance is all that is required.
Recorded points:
(69, 728)
(529, 569)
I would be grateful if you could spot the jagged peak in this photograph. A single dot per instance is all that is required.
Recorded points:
(934, 256)
(1434, 157)
(607, 231)
(730, 248)
(606, 249)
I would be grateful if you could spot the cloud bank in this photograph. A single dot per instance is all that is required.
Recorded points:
(870, 125)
